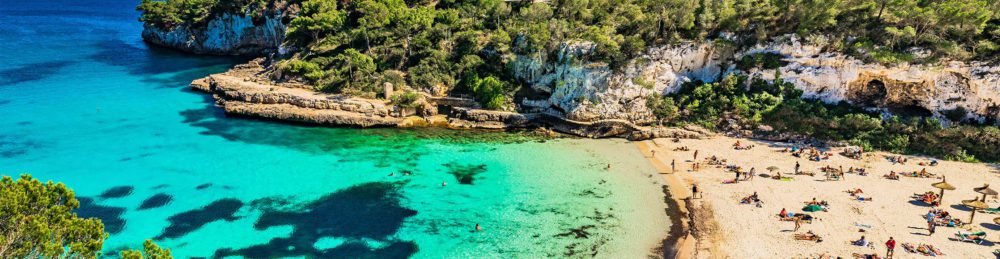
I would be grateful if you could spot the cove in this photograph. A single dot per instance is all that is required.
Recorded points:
(85, 102)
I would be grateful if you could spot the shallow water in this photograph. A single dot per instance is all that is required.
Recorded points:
(85, 102)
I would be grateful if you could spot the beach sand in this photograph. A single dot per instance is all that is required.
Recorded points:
(718, 226)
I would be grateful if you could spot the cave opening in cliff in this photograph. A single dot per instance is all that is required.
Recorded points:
(912, 109)
(873, 94)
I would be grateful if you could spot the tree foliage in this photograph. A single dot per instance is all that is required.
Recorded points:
(37, 221)
(149, 251)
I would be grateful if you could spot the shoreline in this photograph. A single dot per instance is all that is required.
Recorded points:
(685, 236)
(243, 91)
(717, 225)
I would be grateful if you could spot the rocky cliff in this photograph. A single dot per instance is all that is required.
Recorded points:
(227, 34)
(593, 91)
(972, 89)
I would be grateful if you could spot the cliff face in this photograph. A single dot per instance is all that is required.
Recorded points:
(592, 91)
(972, 88)
(227, 34)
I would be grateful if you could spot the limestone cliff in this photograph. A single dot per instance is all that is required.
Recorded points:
(593, 91)
(972, 88)
(227, 34)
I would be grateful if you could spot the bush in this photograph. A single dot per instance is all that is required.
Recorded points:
(305, 69)
(490, 92)
(762, 60)
(407, 99)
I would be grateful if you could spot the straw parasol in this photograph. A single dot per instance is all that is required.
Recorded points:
(943, 185)
(772, 168)
(975, 204)
(985, 190)
(996, 220)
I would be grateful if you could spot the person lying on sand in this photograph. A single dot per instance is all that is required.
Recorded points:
(865, 256)
(809, 236)
(892, 175)
(927, 197)
(855, 191)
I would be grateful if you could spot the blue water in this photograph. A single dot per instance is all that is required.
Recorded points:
(85, 102)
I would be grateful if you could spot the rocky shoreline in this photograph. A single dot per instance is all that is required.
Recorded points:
(241, 91)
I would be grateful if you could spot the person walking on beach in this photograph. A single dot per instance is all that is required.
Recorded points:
(930, 222)
(753, 171)
(737, 179)
(694, 191)
(796, 167)
(696, 155)
(653, 152)
(673, 165)
(889, 247)
(798, 223)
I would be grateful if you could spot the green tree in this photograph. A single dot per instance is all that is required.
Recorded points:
(37, 220)
(149, 251)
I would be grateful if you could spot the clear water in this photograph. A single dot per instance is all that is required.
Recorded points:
(85, 102)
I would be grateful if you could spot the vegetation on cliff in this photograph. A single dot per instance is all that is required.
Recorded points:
(738, 102)
(37, 221)
(439, 46)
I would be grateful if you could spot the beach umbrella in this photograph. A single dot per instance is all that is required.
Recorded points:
(985, 190)
(975, 204)
(996, 220)
(943, 185)
(772, 168)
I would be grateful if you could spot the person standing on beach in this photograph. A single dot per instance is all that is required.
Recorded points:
(753, 171)
(694, 191)
(673, 165)
(696, 155)
(796, 167)
(889, 247)
(737, 179)
(930, 222)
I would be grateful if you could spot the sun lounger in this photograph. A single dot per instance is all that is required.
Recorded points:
(992, 210)
(974, 237)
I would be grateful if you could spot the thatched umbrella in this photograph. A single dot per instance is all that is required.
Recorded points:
(996, 220)
(943, 185)
(985, 190)
(975, 204)
(772, 168)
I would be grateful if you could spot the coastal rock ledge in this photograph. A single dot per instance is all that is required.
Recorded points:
(243, 91)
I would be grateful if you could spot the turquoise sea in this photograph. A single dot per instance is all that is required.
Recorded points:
(85, 102)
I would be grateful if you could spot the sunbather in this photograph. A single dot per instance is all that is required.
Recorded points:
(809, 236)
(860, 242)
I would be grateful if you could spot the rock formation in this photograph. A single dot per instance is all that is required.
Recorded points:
(226, 34)
(593, 91)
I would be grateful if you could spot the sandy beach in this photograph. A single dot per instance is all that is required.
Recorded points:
(717, 225)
